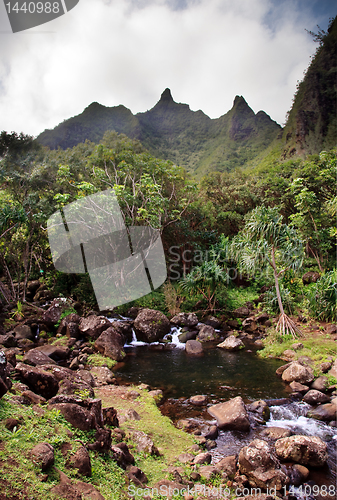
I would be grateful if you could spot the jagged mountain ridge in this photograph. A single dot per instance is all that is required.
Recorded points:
(173, 131)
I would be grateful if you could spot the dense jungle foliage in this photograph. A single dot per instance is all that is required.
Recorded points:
(198, 221)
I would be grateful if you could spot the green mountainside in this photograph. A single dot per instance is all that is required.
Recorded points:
(239, 138)
(172, 131)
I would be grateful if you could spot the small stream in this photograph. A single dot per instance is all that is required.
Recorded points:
(222, 375)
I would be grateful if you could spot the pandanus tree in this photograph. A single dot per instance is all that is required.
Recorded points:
(264, 242)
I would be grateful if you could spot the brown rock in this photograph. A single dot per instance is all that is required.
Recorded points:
(151, 325)
(202, 458)
(78, 417)
(198, 400)
(144, 443)
(232, 343)
(194, 348)
(102, 375)
(297, 387)
(110, 343)
(326, 412)
(231, 415)
(23, 332)
(314, 397)
(257, 462)
(39, 381)
(93, 326)
(43, 455)
(185, 319)
(227, 466)
(333, 371)
(304, 450)
(241, 312)
(137, 476)
(207, 334)
(81, 461)
(298, 373)
(35, 357)
(275, 433)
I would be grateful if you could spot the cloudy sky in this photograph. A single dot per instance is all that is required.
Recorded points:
(128, 51)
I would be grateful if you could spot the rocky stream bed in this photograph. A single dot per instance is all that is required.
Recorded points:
(279, 446)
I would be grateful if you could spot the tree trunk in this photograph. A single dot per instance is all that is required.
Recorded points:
(279, 300)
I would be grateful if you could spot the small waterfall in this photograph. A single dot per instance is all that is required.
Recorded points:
(293, 417)
(175, 331)
(37, 332)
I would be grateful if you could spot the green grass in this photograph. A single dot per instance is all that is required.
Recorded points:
(99, 360)
(19, 472)
(319, 349)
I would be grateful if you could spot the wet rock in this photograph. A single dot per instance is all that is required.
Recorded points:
(314, 397)
(43, 455)
(78, 417)
(325, 412)
(241, 312)
(210, 444)
(111, 344)
(198, 400)
(187, 335)
(232, 343)
(305, 450)
(35, 357)
(275, 433)
(39, 381)
(23, 332)
(260, 408)
(93, 326)
(151, 325)
(231, 415)
(185, 319)
(298, 373)
(81, 461)
(194, 347)
(202, 458)
(297, 474)
(297, 387)
(281, 369)
(144, 443)
(257, 462)
(227, 466)
(72, 318)
(310, 277)
(215, 322)
(212, 432)
(102, 375)
(137, 476)
(207, 334)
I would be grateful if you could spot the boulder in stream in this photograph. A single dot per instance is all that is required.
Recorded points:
(110, 343)
(185, 319)
(231, 415)
(232, 343)
(262, 468)
(151, 325)
(298, 373)
(304, 450)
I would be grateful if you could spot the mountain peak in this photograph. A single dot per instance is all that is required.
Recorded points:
(166, 96)
(240, 101)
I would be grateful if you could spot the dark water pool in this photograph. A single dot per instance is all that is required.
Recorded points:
(218, 373)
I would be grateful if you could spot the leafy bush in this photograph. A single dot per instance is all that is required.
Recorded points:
(322, 297)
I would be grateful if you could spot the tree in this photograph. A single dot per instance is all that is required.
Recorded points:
(266, 241)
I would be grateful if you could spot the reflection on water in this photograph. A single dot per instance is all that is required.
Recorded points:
(218, 373)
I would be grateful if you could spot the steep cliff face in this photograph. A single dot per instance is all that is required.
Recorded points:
(312, 120)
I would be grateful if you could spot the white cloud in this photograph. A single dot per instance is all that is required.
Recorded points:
(128, 52)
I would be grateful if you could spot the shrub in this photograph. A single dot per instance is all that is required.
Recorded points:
(322, 297)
